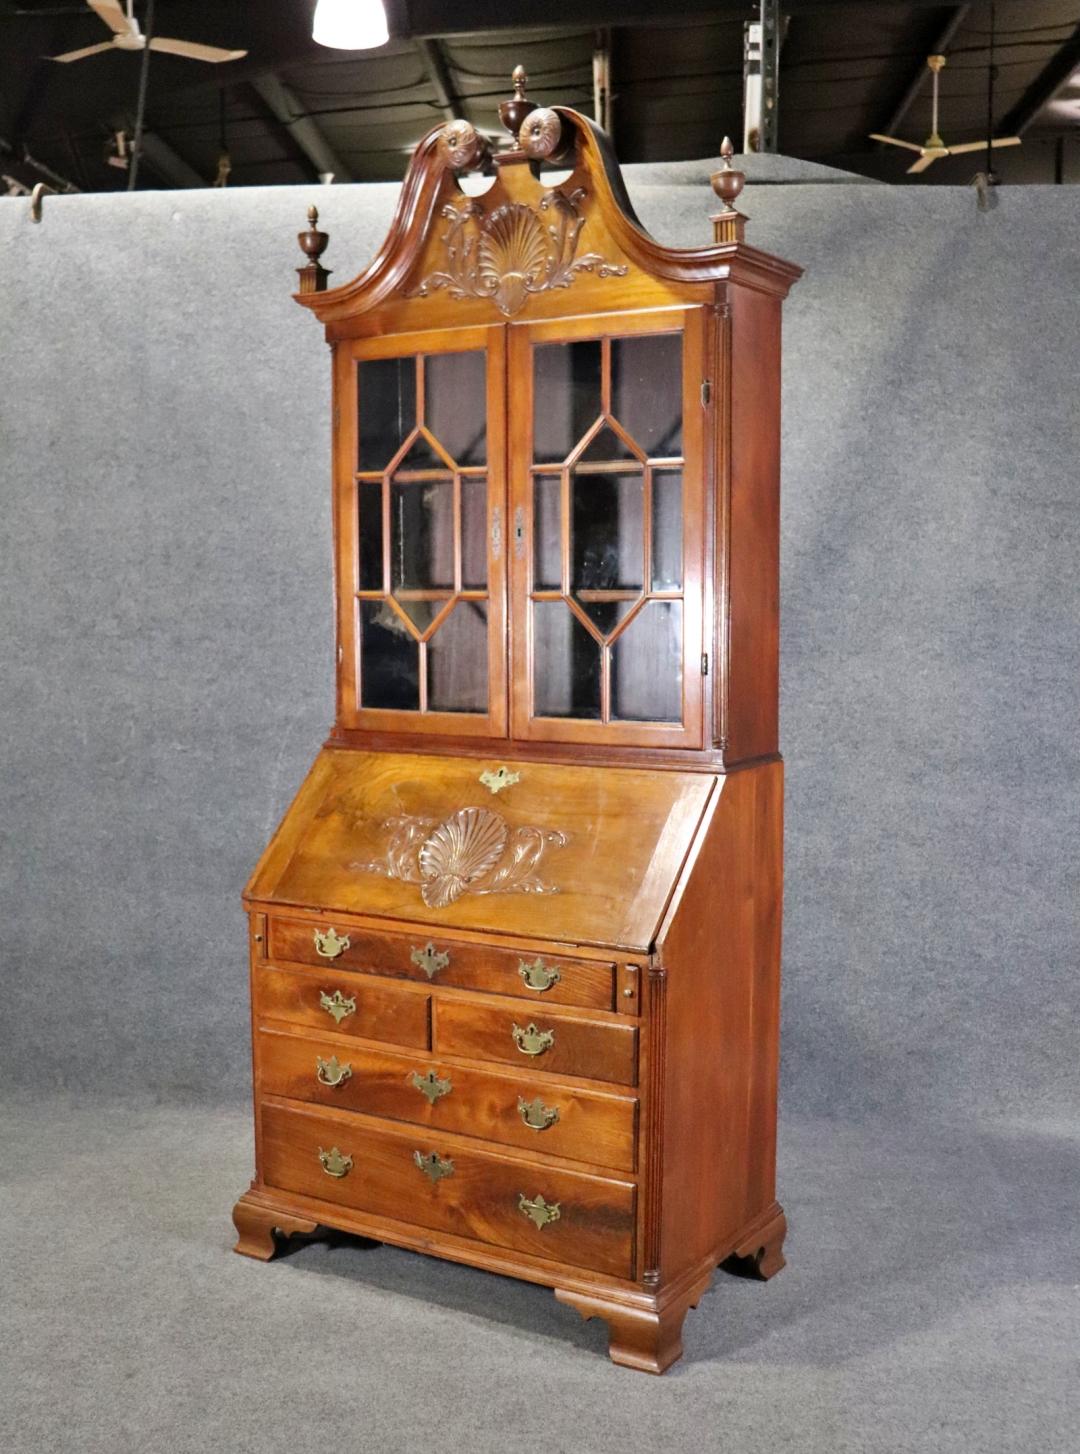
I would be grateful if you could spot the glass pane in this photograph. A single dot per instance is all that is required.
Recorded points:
(566, 664)
(386, 398)
(457, 659)
(667, 530)
(646, 666)
(369, 505)
(474, 533)
(606, 445)
(607, 614)
(606, 547)
(566, 396)
(422, 535)
(421, 456)
(422, 612)
(455, 404)
(646, 390)
(547, 533)
(389, 660)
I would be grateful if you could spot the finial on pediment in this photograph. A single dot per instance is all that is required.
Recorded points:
(313, 275)
(728, 224)
(514, 111)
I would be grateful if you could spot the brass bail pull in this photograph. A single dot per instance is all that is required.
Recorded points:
(538, 975)
(330, 944)
(531, 1040)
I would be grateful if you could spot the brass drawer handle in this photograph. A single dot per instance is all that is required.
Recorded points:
(430, 959)
(538, 976)
(430, 1085)
(330, 944)
(433, 1165)
(337, 1005)
(532, 1041)
(331, 1072)
(334, 1162)
(536, 1115)
(539, 1211)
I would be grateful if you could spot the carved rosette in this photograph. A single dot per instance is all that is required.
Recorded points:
(473, 851)
(514, 251)
(541, 134)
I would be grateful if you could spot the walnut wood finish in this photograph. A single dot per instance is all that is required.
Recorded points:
(337, 826)
(645, 1337)
(479, 1198)
(716, 1070)
(469, 966)
(595, 1049)
(573, 1123)
(630, 857)
(256, 1227)
(362, 1008)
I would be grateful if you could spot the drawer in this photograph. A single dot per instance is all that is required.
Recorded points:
(545, 1041)
(345, 1003)
(440, 961)
(534, 1113)
(417, 1178)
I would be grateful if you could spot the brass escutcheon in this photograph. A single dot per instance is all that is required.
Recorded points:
(334, 1162)
(430, 959)
(337, 1005)
(539, 1211)
(538, 976)
(536, 1115)
(532, 1041)
(430, 1085)
(331, 1072)
(501, 778)
(330, 944)
(433, 1165)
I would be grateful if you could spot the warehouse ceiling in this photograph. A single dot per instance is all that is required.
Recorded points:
(290, 109)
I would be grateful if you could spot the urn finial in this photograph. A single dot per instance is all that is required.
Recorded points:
(728, 224)
(513, 112)
(313, 275)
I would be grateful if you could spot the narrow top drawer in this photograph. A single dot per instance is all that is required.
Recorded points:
(441, 961)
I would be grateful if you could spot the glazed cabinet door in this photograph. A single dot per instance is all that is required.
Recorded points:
(419, 507)
(606, 445)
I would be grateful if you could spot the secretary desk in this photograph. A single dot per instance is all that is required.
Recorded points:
(515, 945)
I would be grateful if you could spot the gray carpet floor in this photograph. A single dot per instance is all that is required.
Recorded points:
(931, 1302)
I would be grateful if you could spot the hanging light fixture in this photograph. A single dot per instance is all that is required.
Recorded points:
(350, 24)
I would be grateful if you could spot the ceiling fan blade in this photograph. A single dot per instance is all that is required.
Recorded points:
(112, 13)
(195, 52)
(88, 50)
(894, 141)
(966, 146)
(927, 159)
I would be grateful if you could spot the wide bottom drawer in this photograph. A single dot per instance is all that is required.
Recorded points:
(567, 1216)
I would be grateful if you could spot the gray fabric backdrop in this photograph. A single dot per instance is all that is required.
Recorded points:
(165, 673)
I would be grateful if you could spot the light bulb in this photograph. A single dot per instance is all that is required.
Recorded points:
(350, 24)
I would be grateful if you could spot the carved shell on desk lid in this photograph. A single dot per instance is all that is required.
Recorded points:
(460, 851)
(472, 851)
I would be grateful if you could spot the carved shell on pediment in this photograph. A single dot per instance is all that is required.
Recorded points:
(514, 251)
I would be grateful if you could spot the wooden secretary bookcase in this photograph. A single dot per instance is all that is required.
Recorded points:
(515, 945)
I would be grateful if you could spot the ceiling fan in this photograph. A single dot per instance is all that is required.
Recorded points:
(934, 146)
(128, 36)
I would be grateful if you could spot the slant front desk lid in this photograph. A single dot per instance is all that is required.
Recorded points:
(577, 854)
